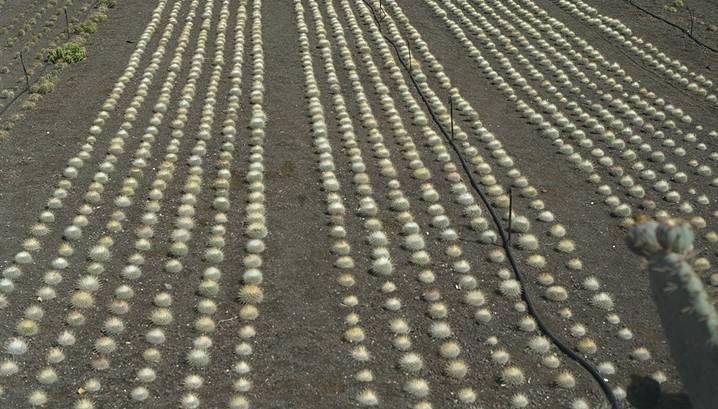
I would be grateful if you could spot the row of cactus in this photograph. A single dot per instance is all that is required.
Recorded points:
(528, 242)
(671, 68)
(34, 32)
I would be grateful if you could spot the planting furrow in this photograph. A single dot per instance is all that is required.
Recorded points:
(209, 290)
(556, 231)
(676, 195)
(412, 360)
(29, 326)
(116, 322)
(88, 285)
(554, 293)
(209, 287)
(649, 54)
(251, 294)
(593, 125)
(9, 29)
(74, 232)
(509, 288)
(437, 332)
(646, 151)
(656, 107)
(443, 337)
(162, 294)
(36, 59)
(618, 208)
(24, 259)
(341, 247)
(697, 163)
(616, 125)
(563, 379)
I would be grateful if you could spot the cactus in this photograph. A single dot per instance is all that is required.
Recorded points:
(689, 319)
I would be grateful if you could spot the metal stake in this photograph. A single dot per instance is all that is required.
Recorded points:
(451, 114)
(408, 45)
(511, 213)
(27, 76)
(381, 14)
(67, 25)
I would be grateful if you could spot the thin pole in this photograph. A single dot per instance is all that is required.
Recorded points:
(690, 11)
(511, 213)
(381, 13)
(24, 69)
(408, 45)
(451, 114)
(67, 25)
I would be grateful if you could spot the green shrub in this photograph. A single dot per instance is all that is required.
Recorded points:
(88, 27)
(110, 4)
(69, 52)
(675, 6)
(46, 84)
(97, 17)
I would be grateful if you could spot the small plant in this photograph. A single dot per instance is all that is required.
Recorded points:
(417, 387)
(37, 398)
(368, 397)
(47, 376)
(69, 53)
(513, 376)
(110, 4)
(88, 27)
(674, 6)
(411, 362)
(7, 94)
(97, 17)
(46, 84)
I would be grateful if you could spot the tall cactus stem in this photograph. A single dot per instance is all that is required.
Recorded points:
(689, 318)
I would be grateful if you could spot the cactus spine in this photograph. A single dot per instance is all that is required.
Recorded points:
(689, 319)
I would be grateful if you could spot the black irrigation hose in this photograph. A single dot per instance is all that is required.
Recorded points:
(42, 70)
(505, 242)
(683, 30)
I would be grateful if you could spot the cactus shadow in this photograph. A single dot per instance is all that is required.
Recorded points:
(645, 393)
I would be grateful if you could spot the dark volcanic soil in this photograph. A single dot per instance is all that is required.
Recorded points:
(299, 357)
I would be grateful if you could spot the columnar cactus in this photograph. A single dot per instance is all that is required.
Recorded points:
(689, 319)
